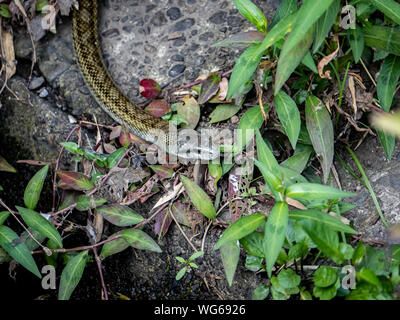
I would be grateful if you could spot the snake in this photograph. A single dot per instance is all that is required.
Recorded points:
(87, 47)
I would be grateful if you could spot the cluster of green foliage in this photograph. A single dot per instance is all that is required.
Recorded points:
(286, 237)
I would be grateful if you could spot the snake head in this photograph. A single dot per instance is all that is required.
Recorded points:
(194, 145)
(189, 145)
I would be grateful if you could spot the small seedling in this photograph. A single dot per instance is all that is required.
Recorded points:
(188, 263)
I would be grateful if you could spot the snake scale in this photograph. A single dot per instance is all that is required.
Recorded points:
(107, 94)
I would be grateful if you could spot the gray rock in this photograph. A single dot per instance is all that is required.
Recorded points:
(36, 83)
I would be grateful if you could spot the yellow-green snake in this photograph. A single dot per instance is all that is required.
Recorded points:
(112, 99)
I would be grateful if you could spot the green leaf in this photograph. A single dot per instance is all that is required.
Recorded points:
(72, 147)
(261, 292)
(181, 273)
(240, 228)
(224, 111)
(230, 252)
(140, 240)
(298, 250)
(37, 222)
(75, 181)
(199, 198)
(358, 254)
(253, 244)
(308, 61)
(386, 86)
(251, 12)
(272, 180)
(249, 60)
(388, 143)
(265, 155)
(289, 116)
(314, 191)
(286, 8)
(17, 250)
(250, 122)
(119, 215)
(34, 188)
(356, 40)
(299, 40)
(5, 166)
(84, 202)
(253, 263)
(3, 216)
(390, 8)
(288, 279)
(196, 255)
(114, 157)
(384, 38)
(325, 23)
(326, 293)
(71, 275)
(180, 259)
(320, 129)
(321, 218)
(368, 275)
(275, 232)
(325, 276)
(326, 239)
(4, 11)
(290, 59)
(298, 161)
(114, 246)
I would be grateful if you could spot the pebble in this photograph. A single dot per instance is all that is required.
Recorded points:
(72, 119)
(43, 93)
(218, 18)
(176, 70)
(174, 13)
(36, 83)
(184, 24)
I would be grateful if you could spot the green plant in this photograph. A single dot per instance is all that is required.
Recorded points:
(188, 264)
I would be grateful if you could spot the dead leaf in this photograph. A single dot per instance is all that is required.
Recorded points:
(325, 60)
(8, 53)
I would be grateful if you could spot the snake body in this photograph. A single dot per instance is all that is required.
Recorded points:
(116, 103)
(98, 80)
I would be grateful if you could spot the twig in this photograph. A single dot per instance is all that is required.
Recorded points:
(45, 249)
(56, 168)
(99, 267)
(181, 230)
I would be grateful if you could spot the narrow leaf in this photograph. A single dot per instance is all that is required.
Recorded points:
(356, 40)
(37, 222)
(314, 191)
(325, 23)
(289, 116)
(230, 252)
(384, 38)
(121, 216)
(390, 8)
(199, 198)
(71, 275)
(5, 166)
(320, 129)
(140, 240)
(114, 246)
(34, 188)
(240, 228)
(251, 12)
(322, 218)
(275, 232)
(114, 157)
(17, 250)
(224, 112)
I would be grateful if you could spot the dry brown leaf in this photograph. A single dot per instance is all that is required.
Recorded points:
(325, 60)
(8, 53)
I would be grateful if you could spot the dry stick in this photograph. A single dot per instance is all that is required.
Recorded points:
(366, 70)
(89, 247)
(45, 249)
(98, 262)
(181, 230)
(56, 168)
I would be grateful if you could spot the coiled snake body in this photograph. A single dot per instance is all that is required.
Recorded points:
(109, 96)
